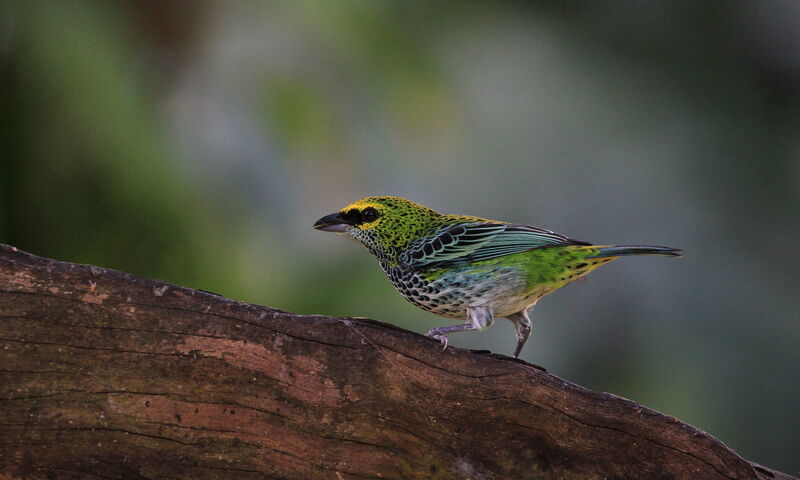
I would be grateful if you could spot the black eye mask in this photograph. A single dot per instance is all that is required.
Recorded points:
(353, 216)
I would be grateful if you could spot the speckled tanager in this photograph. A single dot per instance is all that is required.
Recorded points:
(470, 268)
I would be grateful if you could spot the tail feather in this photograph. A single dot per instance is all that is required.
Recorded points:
(620, 250)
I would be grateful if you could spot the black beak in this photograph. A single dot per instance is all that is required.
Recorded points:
(334, 222)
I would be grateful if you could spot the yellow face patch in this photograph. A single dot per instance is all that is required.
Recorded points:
(361, 206)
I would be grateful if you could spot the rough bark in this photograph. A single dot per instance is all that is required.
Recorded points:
(105, 375)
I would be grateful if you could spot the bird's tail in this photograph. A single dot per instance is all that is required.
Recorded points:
(621, 250)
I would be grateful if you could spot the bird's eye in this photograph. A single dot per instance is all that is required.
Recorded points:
(370, 214)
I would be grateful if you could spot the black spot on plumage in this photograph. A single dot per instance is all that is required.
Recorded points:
(446, 238)
(581, 265)
(428, 249)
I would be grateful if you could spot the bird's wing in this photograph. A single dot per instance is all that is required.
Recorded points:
(475, 241)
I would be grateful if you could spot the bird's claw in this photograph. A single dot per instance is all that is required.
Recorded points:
(441, 338)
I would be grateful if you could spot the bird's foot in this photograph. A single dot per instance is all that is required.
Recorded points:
(443, 339)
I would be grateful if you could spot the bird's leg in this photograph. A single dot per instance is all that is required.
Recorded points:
(479, 318)
(522, 328)
(440, 333)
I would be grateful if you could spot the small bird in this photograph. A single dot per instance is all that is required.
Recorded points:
(467, 267)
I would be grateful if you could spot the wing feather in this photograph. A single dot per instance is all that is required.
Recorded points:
(468, 242)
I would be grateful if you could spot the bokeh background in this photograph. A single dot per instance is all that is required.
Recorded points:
(197, 141)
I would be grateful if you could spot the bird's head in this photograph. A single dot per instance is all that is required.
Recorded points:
(385, 225)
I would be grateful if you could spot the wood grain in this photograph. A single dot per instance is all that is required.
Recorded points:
(105, 375)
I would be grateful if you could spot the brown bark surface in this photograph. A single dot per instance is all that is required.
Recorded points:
(105, 375)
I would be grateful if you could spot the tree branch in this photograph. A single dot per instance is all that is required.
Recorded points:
(105, 375)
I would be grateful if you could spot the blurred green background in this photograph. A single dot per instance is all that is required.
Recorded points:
(197, 142)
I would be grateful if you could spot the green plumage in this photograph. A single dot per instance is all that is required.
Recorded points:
(468, 267)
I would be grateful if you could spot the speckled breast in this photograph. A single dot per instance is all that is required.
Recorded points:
(450, 291)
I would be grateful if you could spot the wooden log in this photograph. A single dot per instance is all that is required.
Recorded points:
(105, 375)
